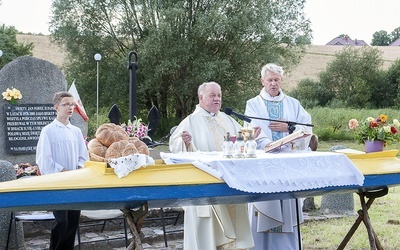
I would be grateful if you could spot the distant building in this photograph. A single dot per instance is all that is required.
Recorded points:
(395, 43)
(341, 41)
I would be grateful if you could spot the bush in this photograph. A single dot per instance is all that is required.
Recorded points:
(305, 92)
(393, 81)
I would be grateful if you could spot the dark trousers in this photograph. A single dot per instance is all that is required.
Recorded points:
(64, 229)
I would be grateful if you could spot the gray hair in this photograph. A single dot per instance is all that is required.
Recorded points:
(272, 68)
(201, 88)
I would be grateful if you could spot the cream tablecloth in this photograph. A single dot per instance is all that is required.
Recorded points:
(275, 172)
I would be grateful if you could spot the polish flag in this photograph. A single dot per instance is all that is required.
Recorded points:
(79, 106)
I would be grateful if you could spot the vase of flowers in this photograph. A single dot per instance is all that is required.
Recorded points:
(12, 95)
(374, 146)
(375, 133)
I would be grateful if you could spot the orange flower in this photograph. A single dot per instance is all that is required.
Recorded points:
(383, 118)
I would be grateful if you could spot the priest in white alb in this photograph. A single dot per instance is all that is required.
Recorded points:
(211, 227)
(275, 223)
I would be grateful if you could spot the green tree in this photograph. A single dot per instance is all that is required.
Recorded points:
(353, 79)
(10, 47)
(344, 35)
(395, 34)
(381, 38)
(180, 44)
(393, 79)
(352, 74)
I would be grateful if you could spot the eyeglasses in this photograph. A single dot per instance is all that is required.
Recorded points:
(68, 105)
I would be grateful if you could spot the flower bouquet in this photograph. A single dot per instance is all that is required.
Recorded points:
(375, 129)
(26, 169)
(12, 95)
(136, 129)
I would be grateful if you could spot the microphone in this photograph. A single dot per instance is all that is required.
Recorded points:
(291, 125)
(229, 111)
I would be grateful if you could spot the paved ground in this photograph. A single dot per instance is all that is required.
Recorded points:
(37, 235)
(152, 240)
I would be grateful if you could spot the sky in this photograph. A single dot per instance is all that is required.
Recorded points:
(359, 19)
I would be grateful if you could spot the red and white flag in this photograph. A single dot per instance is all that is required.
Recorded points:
(79, 106)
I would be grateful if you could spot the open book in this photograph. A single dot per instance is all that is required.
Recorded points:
(285, 140)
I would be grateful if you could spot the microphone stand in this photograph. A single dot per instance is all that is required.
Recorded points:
(291, 125)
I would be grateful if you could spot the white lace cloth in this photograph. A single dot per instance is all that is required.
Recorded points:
(281, 172)
(124, 165)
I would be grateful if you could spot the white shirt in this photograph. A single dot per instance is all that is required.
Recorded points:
(60, 146)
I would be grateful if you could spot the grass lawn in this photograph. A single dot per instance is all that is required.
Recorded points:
(385, 219)
(384, 214)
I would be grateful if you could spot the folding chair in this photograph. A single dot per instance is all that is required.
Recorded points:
(100, 217)
(43, 216)
(165, 215)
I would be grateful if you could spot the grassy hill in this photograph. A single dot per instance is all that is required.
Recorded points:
(314, 61)
(43, 48)
(317, 57)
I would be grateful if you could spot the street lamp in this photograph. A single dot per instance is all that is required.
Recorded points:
(1, 53)
(97, 57)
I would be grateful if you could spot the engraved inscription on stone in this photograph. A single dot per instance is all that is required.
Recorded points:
(24, 123)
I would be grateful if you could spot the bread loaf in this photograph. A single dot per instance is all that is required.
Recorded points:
(97, 148)
(120, 148)
(141, 146)
(109, 133)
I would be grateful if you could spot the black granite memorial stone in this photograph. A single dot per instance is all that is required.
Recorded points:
(37, 80)
(23, 124)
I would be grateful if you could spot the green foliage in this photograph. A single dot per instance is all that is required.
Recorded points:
(94, 122)
(10, 47)
(353, 79)
(344, 35)
(311, 93)
(393, 81)
(381, 38)
(180, 45)
(351, 73)
(165, 126)
(395, 34)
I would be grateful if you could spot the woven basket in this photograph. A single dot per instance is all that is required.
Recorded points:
(94, 157)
